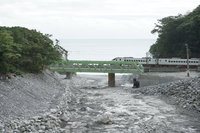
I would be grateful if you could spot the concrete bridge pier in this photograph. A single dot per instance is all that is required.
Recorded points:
(111, 79)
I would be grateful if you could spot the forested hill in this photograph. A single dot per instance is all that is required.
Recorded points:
(176, 31)
(24, 50)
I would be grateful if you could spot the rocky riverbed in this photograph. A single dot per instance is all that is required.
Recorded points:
(184, 93)
(87, 104)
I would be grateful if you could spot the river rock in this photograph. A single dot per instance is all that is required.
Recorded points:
(186, 92)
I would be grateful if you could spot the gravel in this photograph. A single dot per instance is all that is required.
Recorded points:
(37, 103)
(45, 103)
(23, 97)
(184, 93)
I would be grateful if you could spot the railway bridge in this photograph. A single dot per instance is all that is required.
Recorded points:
(110, 67)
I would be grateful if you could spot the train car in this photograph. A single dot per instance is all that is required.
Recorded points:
(161, 61)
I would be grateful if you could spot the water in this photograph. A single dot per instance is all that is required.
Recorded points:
(105, 49)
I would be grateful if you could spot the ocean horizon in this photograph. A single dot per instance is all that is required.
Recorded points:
(105, 49)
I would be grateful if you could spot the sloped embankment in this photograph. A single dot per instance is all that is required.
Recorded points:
(185, 93)
(23, 97)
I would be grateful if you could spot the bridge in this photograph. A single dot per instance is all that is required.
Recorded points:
(110, 67)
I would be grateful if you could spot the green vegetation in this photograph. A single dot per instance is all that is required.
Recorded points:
(24, 50)
(176, 31)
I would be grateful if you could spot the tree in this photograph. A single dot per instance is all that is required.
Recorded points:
(9, 53)
(26, 50)
(174, 32)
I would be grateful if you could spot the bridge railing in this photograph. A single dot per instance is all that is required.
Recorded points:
(97, 66)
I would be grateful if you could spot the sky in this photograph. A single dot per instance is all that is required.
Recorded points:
(92, 19)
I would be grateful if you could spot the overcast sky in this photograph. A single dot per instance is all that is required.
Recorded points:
(92, 19)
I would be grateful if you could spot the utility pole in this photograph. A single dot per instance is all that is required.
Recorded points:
(187, 51)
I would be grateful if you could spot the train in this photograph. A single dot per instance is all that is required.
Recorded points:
(161, 61)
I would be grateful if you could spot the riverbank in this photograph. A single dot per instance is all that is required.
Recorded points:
(184, 92)
(32, 94)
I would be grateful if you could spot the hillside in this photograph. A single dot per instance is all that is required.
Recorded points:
(174, 32)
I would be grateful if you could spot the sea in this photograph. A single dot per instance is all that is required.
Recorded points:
(105, 49)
